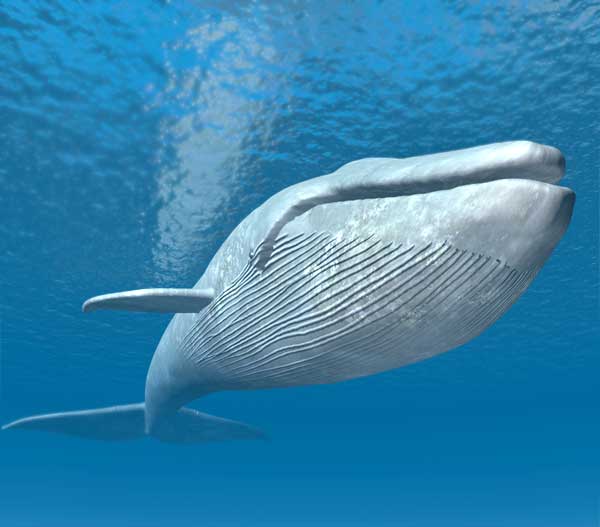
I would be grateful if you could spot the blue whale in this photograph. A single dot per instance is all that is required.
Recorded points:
(382, 263)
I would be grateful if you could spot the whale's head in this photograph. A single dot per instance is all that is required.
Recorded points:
(503, 201)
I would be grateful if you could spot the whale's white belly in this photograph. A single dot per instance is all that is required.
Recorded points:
(329, 309)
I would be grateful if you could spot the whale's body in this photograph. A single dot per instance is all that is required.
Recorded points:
(380, 264)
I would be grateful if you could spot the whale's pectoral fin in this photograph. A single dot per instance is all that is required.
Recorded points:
(155, 300)
(109, 424)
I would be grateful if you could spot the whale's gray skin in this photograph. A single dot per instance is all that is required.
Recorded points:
(382, 263)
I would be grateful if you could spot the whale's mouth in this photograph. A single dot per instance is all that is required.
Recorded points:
(381, 178)
(502, 201)
(519, 212)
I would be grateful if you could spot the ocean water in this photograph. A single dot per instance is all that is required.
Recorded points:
(134, 136)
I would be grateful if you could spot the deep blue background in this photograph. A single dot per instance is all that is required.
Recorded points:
(135, 135)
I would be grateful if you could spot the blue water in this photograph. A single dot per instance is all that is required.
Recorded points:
(135, 135)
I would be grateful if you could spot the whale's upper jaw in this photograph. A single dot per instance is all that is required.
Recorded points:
(508, 160)
(514, 160)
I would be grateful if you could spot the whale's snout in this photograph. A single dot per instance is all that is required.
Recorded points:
(531, 219)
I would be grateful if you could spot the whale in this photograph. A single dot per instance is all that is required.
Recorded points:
(382, 263)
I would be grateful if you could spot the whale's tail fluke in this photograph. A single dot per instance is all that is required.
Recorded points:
(109, 424)
(124, 422)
